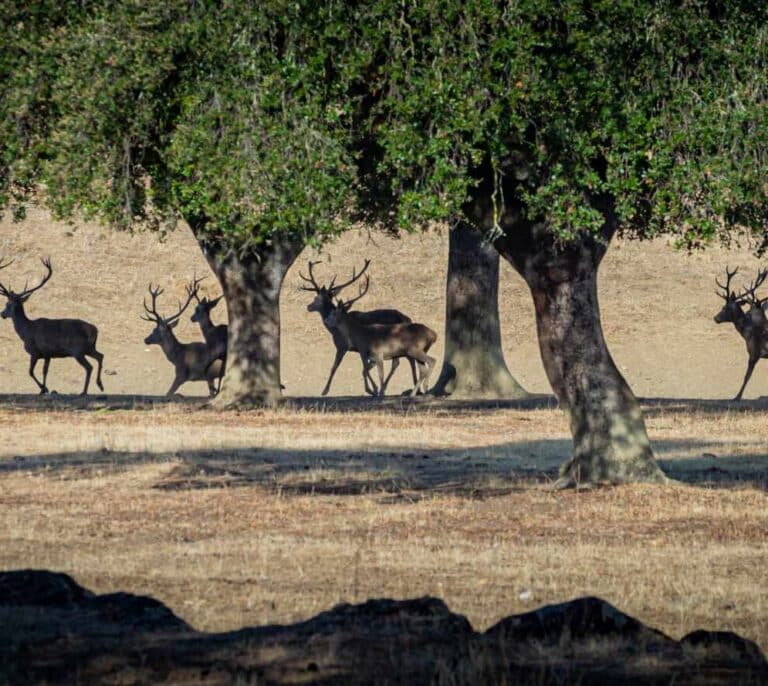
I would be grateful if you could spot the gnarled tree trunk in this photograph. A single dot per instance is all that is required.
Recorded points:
(473, 365)
(251, 284)
(610, 442)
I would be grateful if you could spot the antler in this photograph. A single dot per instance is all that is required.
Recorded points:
(3, 290)
(335, 290)
(730, 274)
(749, 294)
(311, 280)
(29, 291)
(174, 317)
(154, 316)
(346, 304)
(193, 287)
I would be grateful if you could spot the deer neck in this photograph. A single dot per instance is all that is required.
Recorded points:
(744, 324)
(325, 312)
(21, 322)
(206, 326)
(170, 345)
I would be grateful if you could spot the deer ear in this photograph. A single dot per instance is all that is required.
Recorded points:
(173, 325)
(24, 298)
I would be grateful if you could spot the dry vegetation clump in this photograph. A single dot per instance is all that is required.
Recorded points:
(262, 517)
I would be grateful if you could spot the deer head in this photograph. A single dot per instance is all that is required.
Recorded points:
(204, 306)
(15, 301)
(323, 301)
(163, 325)
(732, 310)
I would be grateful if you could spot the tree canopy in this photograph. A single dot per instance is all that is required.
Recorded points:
(292, 118)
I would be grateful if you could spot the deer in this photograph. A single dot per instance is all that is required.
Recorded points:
(215, 335)
(324, 304)
(378, 342)
(192, 361)
(752, 325)
(47, 339)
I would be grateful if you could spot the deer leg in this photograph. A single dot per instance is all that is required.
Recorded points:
(413, 370)
(339, 357)
(370, 385)
(427, 364)
(380, 369)
(96, 355)
(32, 364)
(211, 387)
(750, 369)
(175, 385)
(395, 363)
(88, 369)
(46, 364)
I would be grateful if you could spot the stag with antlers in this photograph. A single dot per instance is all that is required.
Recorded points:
(192, 361)
(324, 304)
(752, 325)
(215, 335)
(379, 342)
(51, 338)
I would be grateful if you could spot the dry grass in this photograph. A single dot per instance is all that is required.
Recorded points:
(273, 516)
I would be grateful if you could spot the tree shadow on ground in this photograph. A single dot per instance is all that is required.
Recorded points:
(651, 406)
(402, 472)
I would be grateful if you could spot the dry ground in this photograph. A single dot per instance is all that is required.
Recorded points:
(273, 516)
(249, 518)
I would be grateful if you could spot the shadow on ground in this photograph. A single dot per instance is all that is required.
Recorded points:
(651, 406)
(402, 472)
(405, 471)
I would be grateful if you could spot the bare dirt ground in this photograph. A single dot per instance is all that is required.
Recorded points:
(260, 517)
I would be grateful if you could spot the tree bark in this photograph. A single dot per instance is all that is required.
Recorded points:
(251, 284)
(610, 442)
(473, 365)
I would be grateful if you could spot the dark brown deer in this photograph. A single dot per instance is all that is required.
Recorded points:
(324, 304)
(215, 335)
(52, 338)
(192, 361)
(752, 325)
(379, 342)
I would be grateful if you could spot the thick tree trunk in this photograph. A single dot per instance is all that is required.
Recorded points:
(610, 442)
(473, 365)
(251, 284)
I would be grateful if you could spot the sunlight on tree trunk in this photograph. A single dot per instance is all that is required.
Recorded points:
(473, 365)
(251, 286)
(610, 442)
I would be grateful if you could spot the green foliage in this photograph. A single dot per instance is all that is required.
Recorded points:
(291, 118)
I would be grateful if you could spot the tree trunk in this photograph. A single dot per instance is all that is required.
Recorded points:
(251, 284)
(610, 442)
(473, 365)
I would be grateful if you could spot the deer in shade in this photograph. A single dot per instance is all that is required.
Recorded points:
(215, 335)
(324, 304)
(45, 339)
(192, 361)
(378, 342)
(752, 325)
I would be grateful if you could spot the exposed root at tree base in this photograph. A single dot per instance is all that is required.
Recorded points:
(572, 476)
(246, 401)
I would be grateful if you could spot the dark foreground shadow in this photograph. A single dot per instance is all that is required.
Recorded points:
(53, 631)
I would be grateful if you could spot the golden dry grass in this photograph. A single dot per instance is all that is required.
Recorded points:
(256, 517)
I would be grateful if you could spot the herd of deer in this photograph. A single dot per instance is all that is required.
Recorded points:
(377, 336)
